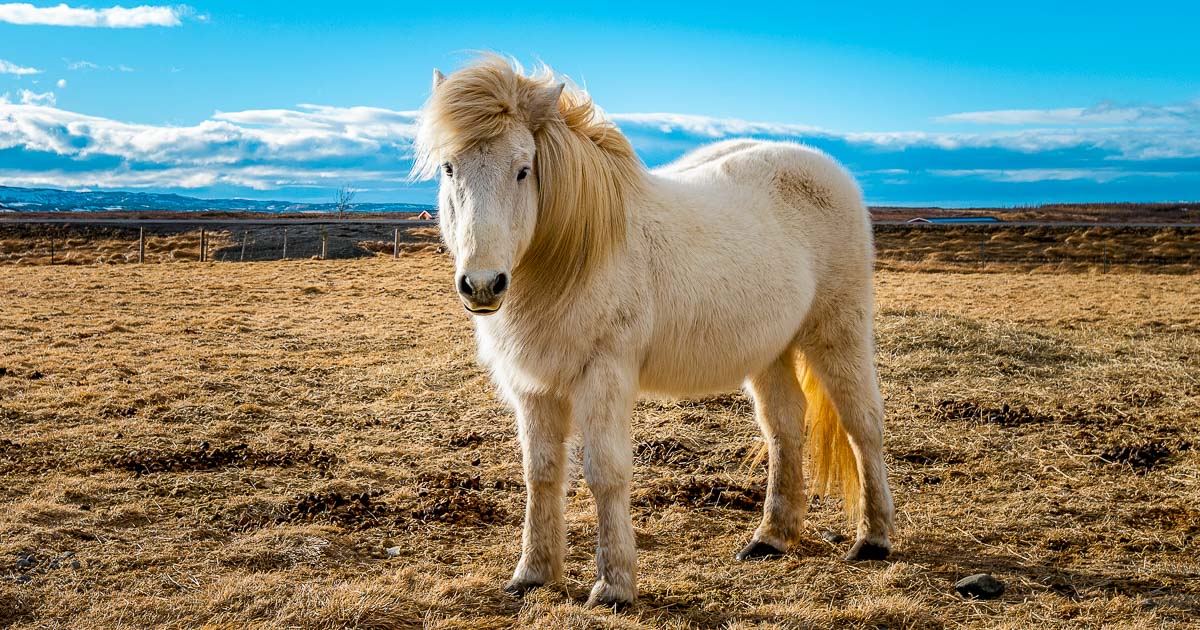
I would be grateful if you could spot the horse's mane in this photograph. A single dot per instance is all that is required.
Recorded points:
(587, 171)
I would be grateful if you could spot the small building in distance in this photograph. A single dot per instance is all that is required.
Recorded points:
(424, 216)
(955, 220)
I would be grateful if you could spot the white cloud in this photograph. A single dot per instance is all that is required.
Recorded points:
(314, 146)
(711, 127)
(1127, 143)
(44, 99)
(89, 66)
(1102, 114)
(252, 177)
(62, 83)
(7, 67)
(112, 17)
(1026, 175)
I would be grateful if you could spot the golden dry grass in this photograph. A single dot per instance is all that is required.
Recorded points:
(105, 247)
(238, 444)
(1054, 249)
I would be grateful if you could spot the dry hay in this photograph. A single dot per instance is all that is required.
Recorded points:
(107, 247)
(1041, 248)
(237, 445)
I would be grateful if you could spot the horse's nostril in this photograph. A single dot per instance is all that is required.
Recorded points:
(464, 286)
(500, 284)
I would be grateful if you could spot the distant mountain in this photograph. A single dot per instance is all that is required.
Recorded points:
(14, 199)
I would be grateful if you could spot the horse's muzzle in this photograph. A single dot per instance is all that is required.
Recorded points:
(482, 292)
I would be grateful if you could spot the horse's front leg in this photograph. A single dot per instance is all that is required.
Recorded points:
(543, 423)
(603, 404)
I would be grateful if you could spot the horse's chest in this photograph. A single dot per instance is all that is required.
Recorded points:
(531, 362)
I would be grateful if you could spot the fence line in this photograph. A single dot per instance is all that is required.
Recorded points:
(1103, 247)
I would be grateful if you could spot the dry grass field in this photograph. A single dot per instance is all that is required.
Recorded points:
(1038, 248)
(234, 445)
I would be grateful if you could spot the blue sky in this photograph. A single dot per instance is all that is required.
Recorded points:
(997, 104)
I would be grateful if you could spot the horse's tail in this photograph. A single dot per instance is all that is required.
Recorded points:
(833, 467)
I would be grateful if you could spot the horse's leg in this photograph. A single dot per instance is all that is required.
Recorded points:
(840, 350)
(603, 406)
(543, 423)
(779, 408)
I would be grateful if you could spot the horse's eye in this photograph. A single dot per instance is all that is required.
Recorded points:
(449, 170)
(523, 173)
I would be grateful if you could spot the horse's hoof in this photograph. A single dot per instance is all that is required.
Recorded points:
(758, 551)
(604, 595)
(518, 588)
(863, 550)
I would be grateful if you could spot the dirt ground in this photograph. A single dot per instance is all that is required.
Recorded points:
(310, 444)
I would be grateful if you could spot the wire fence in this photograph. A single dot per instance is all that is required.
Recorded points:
(1102, 248)
(80, 243)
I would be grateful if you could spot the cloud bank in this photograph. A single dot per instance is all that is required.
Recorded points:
(1103, 114)
(303, 152)
(113, 17)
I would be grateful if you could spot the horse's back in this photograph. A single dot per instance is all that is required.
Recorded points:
(795, 176)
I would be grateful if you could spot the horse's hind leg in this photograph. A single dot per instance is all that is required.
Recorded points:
(841, 351)
(779, 408)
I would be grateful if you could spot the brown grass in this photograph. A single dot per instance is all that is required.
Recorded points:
(105, 247)
(238, 445)
(1047, 249)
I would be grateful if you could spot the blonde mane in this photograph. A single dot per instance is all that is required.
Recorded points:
(587, 171)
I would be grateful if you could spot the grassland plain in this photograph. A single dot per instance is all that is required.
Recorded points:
(240, 445)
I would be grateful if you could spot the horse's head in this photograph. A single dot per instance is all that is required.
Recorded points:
(480, 126)
(533, 179)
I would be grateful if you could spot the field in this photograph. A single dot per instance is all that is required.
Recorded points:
(1044, 248)
(310, 444)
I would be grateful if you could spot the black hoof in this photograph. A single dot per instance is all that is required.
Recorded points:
(863, 550)
(519, 589)
(758, 551)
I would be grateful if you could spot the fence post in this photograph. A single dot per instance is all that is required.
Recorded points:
(1106, 258)
(396, 243)
(52, 248)
(983, 251)
(324, 244)
(285, 243)
(245, 235)
(141, 245)
(203, 245)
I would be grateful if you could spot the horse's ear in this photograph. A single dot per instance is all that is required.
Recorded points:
(438, 77)
(545, 104)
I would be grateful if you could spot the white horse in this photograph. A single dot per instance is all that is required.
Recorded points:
(592, 279)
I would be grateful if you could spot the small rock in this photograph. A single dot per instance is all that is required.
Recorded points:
(832, 537)
(75, 564)
(26, 561)
(393, 552)
(23, 579)
(3, 371)
(85, 507)
(35, 375)
(980, 586)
